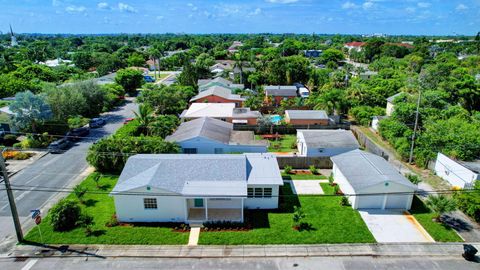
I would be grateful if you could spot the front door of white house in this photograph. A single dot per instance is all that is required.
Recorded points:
(198, 202)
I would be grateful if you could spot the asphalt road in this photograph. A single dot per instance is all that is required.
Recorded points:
(54, 170)
(329, 263)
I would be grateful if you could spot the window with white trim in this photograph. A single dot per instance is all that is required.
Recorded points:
(150, 203)
(249, 192)
(267, 192)
(259, 192)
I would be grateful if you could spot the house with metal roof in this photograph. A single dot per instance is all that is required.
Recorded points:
(222, 111)
(276, 93)
(211, 136)
(306, 117)
(218, 94)
(325, 143)
(204, 84)
(195, 188)
(458, 173)
(370, 182)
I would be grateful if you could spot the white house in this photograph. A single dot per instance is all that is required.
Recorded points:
(325, 143)
(212, 136)
(390, 104)
(370, 182)
(458, 173)
(376, 122)
(195, 188)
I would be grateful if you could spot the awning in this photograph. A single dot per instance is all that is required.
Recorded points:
(240, 121)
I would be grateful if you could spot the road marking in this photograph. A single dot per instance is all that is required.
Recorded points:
(30, 264)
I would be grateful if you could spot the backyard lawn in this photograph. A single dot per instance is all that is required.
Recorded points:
(331, 223)
(101, 207)
(287, 176)
(438, 231)
(284, 144)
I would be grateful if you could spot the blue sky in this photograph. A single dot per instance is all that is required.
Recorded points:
(433, 17)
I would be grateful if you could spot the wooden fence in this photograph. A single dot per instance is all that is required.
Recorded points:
(297, 162)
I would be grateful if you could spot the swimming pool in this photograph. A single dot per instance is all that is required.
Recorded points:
(276, 119)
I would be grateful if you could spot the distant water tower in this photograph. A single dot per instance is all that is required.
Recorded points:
(13, 39)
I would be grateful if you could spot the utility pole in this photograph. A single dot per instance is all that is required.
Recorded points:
(410, 159)
(11, 200)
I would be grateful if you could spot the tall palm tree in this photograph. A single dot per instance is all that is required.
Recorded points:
(440, 205)
(144, 118)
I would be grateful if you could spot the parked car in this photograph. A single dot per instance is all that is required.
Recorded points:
(148, 79)
(77, 133)
(58, 146)
(128, 120)
(97, 122)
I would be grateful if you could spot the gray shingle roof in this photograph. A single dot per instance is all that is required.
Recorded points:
(306, 114)
(245, 113)
(329, 138)
(281, 90)
(218, 91)
(209, 128)
(363, 170)
(209, 175)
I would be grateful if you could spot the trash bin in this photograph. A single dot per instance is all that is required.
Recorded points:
(469, 252)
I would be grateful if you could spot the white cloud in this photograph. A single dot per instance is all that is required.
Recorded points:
(461, 7)
(367, 5)
(349, 5)
(159, 18)
(423, 4)
(103, 5)
(127, 8)
(75, 9)
(257, 11)
(282, 1)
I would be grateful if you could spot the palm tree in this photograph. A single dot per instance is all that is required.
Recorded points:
(144, 118)
(440, 205)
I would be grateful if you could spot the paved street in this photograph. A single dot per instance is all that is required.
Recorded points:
(53, 170)
(330, 263)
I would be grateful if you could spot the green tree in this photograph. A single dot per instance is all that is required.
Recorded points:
(440, 205)
(129, 79)
(30, 110)
(83, 60)
(332, 55)
(64, 216)
(136, 60)
(144, 118)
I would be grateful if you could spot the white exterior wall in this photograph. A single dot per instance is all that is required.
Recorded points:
(206, 146)
(345, 187)
(389, 109)
(375, 123)
(453, 172)
(130, 208)
(263, 203)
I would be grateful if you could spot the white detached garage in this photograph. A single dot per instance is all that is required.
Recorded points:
(371, 181)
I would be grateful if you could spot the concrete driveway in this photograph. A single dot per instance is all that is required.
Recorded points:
(394, 226)
(306, 187)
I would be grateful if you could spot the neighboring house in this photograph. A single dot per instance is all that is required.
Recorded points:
(458, 173)
(367, 75)
(390, 104)
(356, 45)
(195, 188)
(6, 116)
(212, 136)
(218, 94)
(277, 93)
(370, 182)
(235, 46)
(376, 122)
(57, 62)
(222, 111)
(312, 53)
(325, 143)
(306, 117)
(219, 81)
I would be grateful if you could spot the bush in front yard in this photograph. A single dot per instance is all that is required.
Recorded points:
(287, 169)
(312, 169)
(65, 215)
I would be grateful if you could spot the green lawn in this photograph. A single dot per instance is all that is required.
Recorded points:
(331, 223)
(284, 144)
(303, 176)
(439, 231)
(101, 207)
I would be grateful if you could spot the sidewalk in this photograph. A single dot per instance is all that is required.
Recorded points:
(16, 166)
(104, 251)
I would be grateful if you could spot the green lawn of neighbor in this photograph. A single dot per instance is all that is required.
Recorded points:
(438, 231)
(303, 176)
(101, 207)
(285, 143)
(331, 223)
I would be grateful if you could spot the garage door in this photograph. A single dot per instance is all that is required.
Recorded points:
(369, 202)
(396, 201)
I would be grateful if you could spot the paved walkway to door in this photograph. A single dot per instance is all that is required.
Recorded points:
(194, 235)
(394, 226)
(307, 187)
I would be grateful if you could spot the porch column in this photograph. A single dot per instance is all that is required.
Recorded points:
(242, 211)
(206, 208)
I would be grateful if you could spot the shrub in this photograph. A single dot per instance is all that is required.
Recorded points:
(79, 192)
(330, 179)
(65, 215)
(469, 202)
(86, 221)
(415, 179)
(287, 169)
(336, 190)
(77, 121)
(22, 156)
(298, 215)
(112, 222)
(223, 224)
(312, 169)
(9, 140)
(344, 201)
(440, 204)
